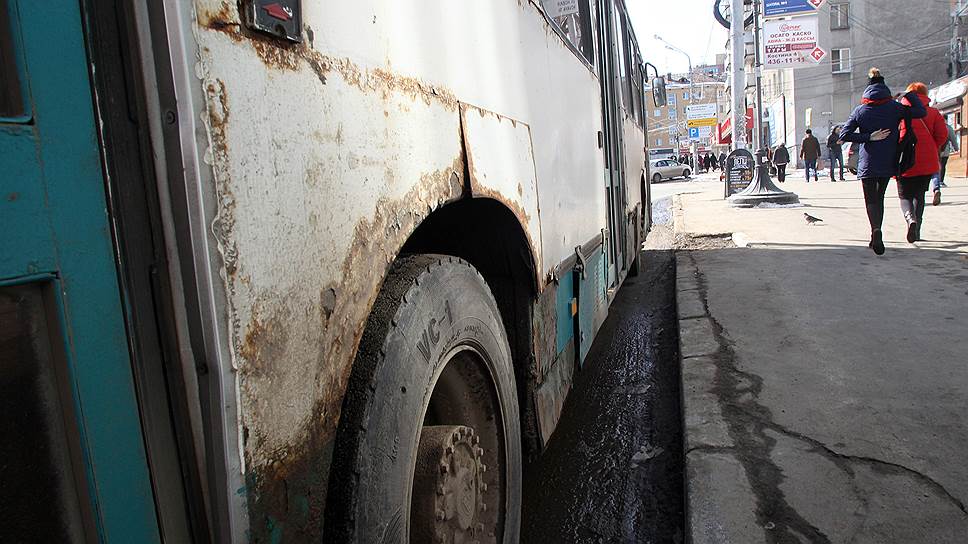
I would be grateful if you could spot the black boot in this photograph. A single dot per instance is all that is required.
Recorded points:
(877, 242)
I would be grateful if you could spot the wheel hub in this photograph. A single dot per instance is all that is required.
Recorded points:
(448, 492)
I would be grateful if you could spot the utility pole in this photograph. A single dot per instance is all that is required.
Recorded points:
(759, 142)
(953, 49)
(738, 75)
(761, 190)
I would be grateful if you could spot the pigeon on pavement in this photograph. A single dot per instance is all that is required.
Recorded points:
(811, 219)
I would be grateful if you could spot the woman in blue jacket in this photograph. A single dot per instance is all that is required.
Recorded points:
(877, 119)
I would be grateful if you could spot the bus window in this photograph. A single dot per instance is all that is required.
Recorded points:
(42, 491)
(574, 20)
(11, 100)
(636, 81)
(620, 37)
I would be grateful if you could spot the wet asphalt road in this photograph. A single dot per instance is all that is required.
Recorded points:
(612, 471)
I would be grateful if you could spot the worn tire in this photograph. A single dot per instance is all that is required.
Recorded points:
(656, 178)
(393, 383)
(685, 173)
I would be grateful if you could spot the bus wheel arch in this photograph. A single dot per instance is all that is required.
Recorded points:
(476, 234)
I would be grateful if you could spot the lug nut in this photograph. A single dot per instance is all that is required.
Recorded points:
(443, 468)
(440, 515)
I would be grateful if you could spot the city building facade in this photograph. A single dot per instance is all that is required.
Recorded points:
(668, 130)
(907, 45)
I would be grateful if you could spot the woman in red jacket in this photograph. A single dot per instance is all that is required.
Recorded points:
(912, 184)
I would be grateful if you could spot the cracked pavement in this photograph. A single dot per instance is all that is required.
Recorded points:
(824, 388)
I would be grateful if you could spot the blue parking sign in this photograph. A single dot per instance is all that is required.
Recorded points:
(694, 133)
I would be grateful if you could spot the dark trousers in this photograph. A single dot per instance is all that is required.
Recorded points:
(874, 189)
(781, 172)
(944, 166)
(911, 193)
(835, 156)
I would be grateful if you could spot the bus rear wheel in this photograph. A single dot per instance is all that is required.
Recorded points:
(428, 447)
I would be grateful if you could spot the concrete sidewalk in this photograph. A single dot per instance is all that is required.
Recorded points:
(825, 389)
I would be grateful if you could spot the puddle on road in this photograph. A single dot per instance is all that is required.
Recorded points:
(612, 472)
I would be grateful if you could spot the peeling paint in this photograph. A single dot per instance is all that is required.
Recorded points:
(343, 310)
(279, 55)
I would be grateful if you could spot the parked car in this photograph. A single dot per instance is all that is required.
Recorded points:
(668, 169)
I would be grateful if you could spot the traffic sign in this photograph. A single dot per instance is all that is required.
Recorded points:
(709, 122)
(701, 115)
(693, 133)
(786, 8)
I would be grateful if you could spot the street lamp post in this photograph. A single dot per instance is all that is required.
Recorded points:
(761, 189)
(669, 46)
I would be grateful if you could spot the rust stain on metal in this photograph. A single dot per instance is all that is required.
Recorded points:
(285, 56)
(216, 12)
(484, 113)
(294, 475)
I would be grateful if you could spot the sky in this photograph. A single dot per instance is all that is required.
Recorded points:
(689, 25)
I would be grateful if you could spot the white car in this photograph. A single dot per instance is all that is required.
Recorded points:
(668, 169)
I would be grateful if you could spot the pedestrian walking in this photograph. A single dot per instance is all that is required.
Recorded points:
(713, 161)
(810, 152)
(706, 163)
(874, 124)
(722, 160)
(937, 181)
(835, 152)
(781, 157)
(912, 184)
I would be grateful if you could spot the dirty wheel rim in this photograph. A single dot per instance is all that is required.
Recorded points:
(459, 478)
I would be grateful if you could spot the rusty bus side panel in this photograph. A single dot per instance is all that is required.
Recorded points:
(326, 156)
(500, 165)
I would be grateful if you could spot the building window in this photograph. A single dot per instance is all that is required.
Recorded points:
(672, 114)
(839, 16)
(685, 95)
(658, 142)
(672, 99)
(672, 130)
(840, 61)
(656, 113)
